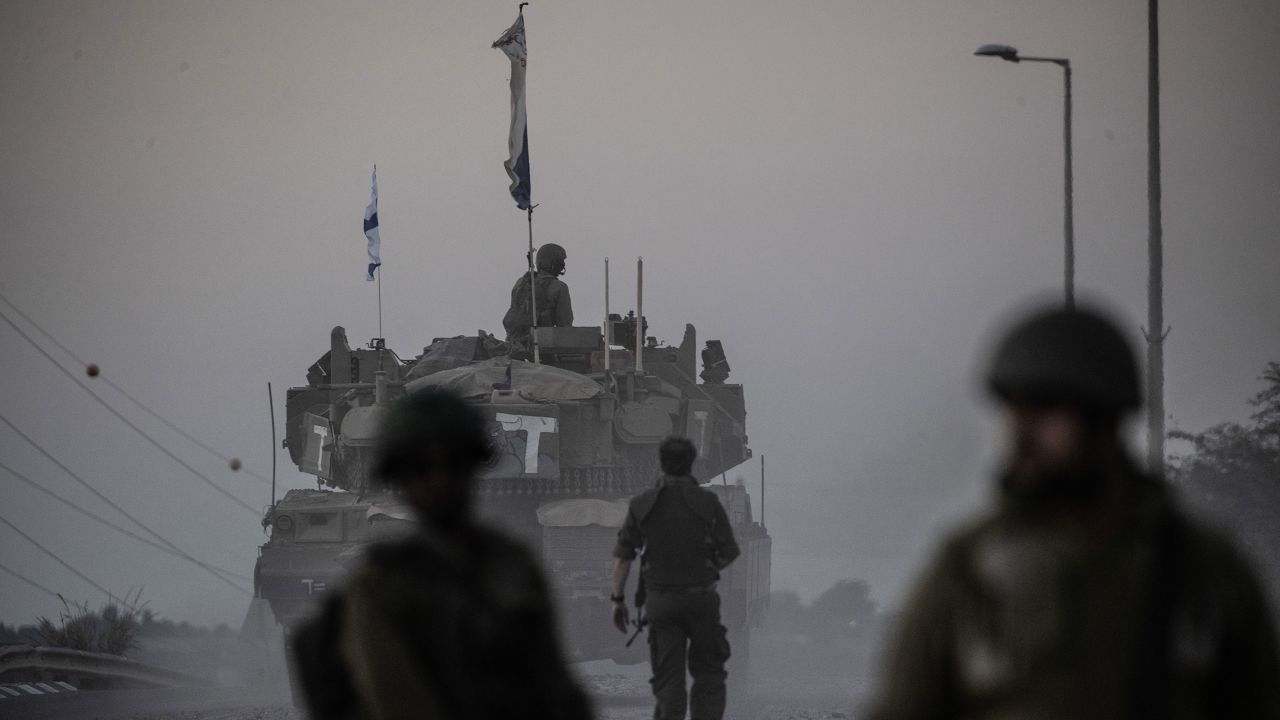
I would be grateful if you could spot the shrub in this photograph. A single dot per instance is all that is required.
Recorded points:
(112, 629)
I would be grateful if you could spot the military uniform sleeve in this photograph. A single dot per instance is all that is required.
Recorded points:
(918, 675)
(629, 538)
(724, 547)
(389, 680)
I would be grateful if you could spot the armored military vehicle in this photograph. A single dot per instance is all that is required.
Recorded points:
(574, 436)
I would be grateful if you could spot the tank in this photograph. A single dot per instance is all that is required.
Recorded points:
(574, 437)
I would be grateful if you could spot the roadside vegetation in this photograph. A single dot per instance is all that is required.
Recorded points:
(1232, 472)
(113, 628)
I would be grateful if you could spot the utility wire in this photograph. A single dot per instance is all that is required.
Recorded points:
(104, 498)
(30, 582)
(104, 379)
(60, 561)
(124, 531)
(126, 420)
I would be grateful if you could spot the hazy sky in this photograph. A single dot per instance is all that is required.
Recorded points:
(839, 191)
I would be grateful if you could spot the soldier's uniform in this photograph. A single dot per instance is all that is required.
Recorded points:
(554, 306)
(686, 540)
(1018, 618)
(455, 625)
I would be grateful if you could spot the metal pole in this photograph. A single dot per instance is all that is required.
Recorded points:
(272, 403)
(608, 326)
(761, 489)
(1068, 209)
(533, 293)
(1069, 260)
(1155, 252)
(639, 315)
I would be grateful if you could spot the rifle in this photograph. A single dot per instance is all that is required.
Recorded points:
(641, 621)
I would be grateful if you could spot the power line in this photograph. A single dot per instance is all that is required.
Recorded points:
(126, 420)
(127, 396)
(102, 497)
(30, 582)
(60, 561)
(124, 531)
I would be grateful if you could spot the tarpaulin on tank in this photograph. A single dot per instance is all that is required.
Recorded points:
(449, 353)
(392, 510)
(535, 383)
(582, 512)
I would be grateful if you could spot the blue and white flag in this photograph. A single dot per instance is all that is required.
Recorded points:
(512, 43)
(371, 229)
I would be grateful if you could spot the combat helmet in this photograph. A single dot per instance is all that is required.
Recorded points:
(1075, 357)
(431, 428)
(551, 258)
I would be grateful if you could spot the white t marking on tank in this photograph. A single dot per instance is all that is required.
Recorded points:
(700, 416)
(323, 432)
(534, 425)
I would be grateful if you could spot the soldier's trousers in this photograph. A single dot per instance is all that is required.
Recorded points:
(686, 624)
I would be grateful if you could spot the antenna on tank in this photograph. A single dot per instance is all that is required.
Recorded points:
(761, 490)
(608, 326)
(639, 315)
(272, 404)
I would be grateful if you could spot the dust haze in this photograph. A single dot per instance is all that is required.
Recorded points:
(839, 192)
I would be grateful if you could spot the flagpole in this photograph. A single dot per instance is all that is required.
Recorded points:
(533, 292)
(512, 44)
(379, 271)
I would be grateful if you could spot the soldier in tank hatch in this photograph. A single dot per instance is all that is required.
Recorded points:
(686, 538)
(551, 294)
(1087, 592)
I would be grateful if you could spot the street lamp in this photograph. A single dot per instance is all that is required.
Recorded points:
(1004, 52)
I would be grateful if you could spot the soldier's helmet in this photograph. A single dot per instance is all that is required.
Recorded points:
(430, 429)
(1077, 358)
(551, 258)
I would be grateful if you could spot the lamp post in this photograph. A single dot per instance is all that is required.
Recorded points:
(1004, 52)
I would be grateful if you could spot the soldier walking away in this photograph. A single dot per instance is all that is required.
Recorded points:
(686, 540)
(1087, 592)
(454, 621)
(554, 307)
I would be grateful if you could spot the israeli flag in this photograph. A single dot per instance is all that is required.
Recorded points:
(512, 43)
(371, 229)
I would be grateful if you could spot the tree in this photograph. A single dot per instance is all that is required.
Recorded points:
(1233, 471)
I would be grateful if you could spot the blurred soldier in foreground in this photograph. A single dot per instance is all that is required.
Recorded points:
(1087, 593)
(554, 308)
(685, 535)
(453, 621)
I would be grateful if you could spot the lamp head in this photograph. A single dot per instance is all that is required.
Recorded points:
(1004, 52)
